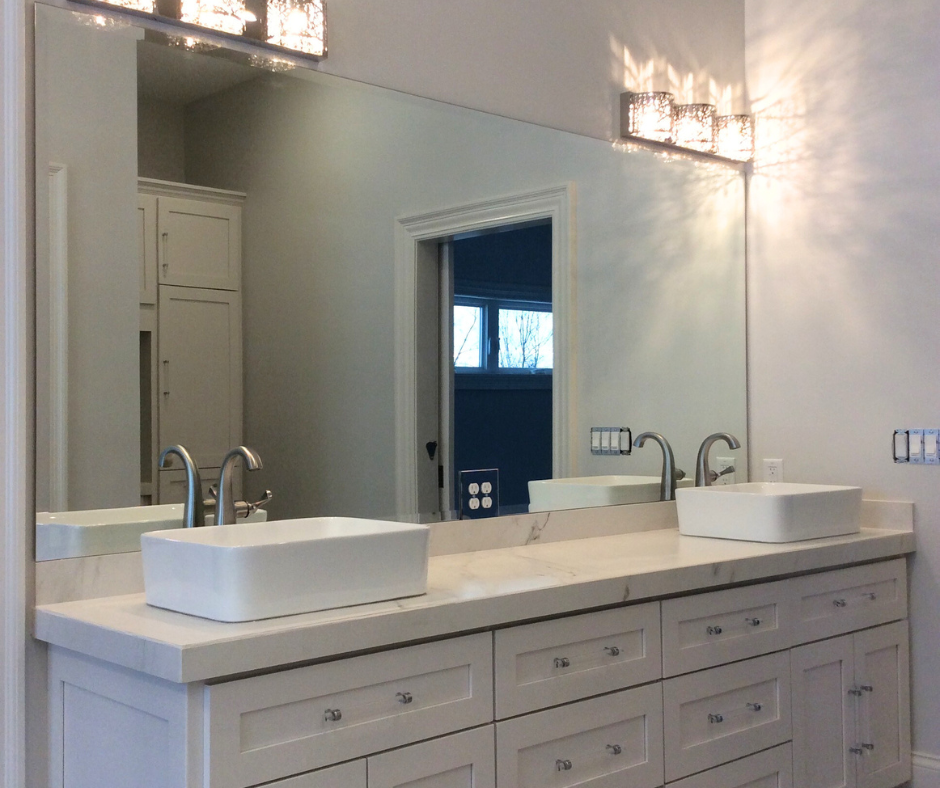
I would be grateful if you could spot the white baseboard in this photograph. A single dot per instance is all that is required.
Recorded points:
(926, 770)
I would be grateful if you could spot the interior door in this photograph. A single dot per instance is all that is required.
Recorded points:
(427, 374)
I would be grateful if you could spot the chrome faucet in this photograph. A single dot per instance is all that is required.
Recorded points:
(194, 513)
(704, 476)
(667, 487)
(225, 504)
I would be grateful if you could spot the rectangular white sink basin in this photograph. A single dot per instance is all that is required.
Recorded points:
(101, 531)
(581, 491)
(764, 512)
(250, 571)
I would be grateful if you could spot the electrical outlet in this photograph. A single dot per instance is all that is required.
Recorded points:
(479, 494)
(773, 470)
(725, 462)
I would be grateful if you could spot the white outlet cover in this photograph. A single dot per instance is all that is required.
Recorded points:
(773, 470)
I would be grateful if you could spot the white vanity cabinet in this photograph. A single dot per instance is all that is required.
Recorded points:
(723, 689)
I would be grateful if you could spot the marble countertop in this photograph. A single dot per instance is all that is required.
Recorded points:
(466, 592)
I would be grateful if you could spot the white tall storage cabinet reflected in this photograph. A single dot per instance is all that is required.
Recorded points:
(191, 329)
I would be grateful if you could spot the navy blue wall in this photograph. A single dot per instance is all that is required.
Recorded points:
(505, 421)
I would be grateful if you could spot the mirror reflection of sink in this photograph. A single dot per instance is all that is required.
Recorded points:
(764, 512)
(250, 571)
(582, 491)
(100, 531)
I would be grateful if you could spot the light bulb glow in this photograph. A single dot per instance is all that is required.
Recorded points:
(650, 116)
(297, 24)
(695, 127)
(736, 137)
(227, 16)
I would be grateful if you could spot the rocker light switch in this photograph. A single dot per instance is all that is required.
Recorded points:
(931, 440)
(915, 446)
(901, 452)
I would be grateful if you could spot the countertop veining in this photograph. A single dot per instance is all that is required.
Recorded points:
(466, 591)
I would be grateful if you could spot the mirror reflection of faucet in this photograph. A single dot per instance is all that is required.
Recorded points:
(667, 487)
(222, 496)
(704, 476)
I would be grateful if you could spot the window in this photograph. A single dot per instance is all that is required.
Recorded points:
(499, 336)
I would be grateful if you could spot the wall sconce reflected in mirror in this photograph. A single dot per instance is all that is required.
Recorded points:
(695, 127)
(297, 26)
(648, 115)
(736, 137)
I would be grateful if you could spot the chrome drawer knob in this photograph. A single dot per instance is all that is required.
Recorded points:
(867, 746)
(562, 662)
(838, 602)
(562, 766)
(855, 691)
(714, 630)
(754, 706)
(754, 622)
(332, 715)
(716, 718)
(614, 749)
(872, 595)
(404, 697)
(866, 688)
(614, 651)
(855, 750)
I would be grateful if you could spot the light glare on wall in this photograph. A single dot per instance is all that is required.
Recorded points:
(226, 16)
(736, 137)
(650, 115)
(695, 127)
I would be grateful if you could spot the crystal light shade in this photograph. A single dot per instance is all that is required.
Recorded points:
(297, 25)
(736, 137)
(227, 16)
(650, 116)
(695, 127)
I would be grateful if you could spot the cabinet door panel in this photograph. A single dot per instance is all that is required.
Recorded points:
(464, 760)
(881, 671)
(199, 243)
(823, 714)
(200, 390)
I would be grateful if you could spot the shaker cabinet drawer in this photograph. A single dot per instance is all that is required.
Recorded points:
(265, 727)
(462, 760)
(348, 775)
(768, 769)
(724, 713)
(724, 626)
(605, 742)
(833, 603)
(553, 662)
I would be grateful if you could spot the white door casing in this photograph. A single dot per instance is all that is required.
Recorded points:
(412, 235)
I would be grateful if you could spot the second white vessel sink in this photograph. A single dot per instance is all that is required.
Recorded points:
(246, 572)
(578, 492)
(765, 512)
(99, 531)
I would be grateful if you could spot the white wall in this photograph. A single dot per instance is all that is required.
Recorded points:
(843, 276)
(555, 62)
(329, 167)
(86, 120)
(161, 150)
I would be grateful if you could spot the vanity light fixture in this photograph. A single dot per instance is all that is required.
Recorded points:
(736, 137)
(650, 116)
(695, 127)
(293, 26)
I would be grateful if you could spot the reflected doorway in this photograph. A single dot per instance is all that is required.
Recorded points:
(497, 322)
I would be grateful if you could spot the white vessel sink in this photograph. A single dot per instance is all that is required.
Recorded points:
(100, 531)
(249, 571)
(581, 491)
(763, 512)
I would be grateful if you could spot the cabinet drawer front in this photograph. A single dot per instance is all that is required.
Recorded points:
(724, 626)
(266, 727)
(463, 760)
(604, 742)
(768, 769)
(349, 775)
(725, 713)
(844, 600)
(553, 662)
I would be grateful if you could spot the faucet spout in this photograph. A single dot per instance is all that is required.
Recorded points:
(704, 476)
(225, 506)
(667, 487)
(194, 513)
